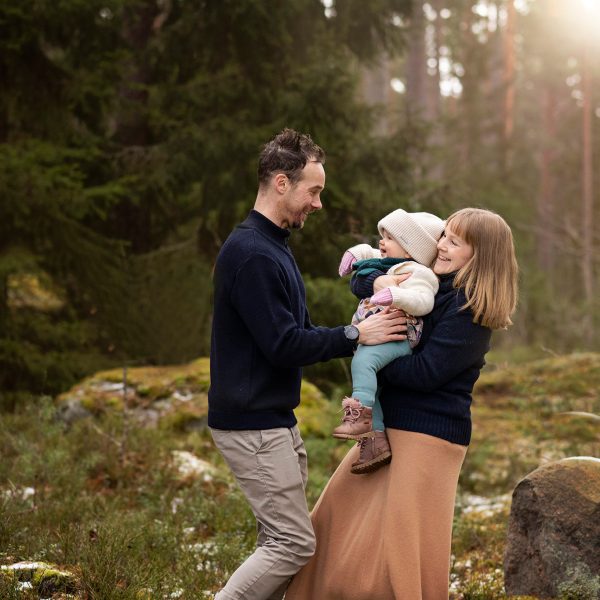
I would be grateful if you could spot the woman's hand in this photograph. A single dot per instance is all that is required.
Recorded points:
(386, 326)
(386, 281)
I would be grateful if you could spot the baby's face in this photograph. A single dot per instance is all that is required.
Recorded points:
(390, 248)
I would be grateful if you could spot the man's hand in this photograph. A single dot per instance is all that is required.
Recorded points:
(386, 281)
(386, 326)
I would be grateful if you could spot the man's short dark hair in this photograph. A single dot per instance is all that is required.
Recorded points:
(287, 153)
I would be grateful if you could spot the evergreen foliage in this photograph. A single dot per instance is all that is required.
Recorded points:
(129, 131)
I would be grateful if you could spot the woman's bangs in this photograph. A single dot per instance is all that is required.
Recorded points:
(459, 223)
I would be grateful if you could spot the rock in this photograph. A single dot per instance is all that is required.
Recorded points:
(172, 397)
(147, 417)
(553, 544)
(71, 411)
(42, 577)
(190, 466)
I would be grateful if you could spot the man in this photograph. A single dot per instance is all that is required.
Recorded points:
(261, 338)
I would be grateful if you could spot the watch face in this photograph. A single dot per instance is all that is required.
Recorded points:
(351, 332)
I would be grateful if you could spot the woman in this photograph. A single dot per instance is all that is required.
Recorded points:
(387, 535)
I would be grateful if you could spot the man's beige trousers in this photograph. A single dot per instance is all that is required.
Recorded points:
(271, 469)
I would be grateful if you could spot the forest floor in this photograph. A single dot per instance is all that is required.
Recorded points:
(135, 503)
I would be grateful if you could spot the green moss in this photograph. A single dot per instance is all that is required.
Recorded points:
(144, 390)
(114, 402)
(150, 384)
(562, 377)
(145, 385)
(46, 579)
(186, 418)
(580, 585)
(113, 376)
(89, 403)
(7, 577)
(49, 580)
(315, 413)
(519, 419)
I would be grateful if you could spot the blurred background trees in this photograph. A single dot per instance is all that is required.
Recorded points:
(129, 131)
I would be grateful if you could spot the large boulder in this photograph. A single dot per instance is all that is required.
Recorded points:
(173, 397)
(553, 544)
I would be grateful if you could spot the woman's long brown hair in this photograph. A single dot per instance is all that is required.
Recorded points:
(490, 276)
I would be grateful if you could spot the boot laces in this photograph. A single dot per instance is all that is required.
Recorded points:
(362, 443)
(351, 414)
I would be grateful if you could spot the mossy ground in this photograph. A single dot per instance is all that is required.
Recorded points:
(521, 420)
(109, 505)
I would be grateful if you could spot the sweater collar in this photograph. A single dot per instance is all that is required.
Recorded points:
(447, 281)
(258, 221)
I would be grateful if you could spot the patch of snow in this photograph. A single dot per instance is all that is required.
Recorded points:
(483, 506)
(26, 565)
(175, 504)
(182, 397)
(24, 585)
(190, 465)
(108, 386)
(18, 493)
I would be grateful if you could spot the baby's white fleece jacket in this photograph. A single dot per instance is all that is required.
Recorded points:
(415, 295)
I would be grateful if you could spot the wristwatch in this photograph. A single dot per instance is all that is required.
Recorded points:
(352, 333)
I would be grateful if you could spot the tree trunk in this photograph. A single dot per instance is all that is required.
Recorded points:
(470, 94)
(587, 254)
(131, 122)
(142, 21)
(416, 73)
(435, 98)
(545, 199)
(509, 81)
(376, 89)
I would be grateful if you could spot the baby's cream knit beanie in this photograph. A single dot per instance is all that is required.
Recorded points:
(417, 233)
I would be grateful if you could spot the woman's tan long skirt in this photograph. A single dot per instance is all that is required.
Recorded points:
(386, 535)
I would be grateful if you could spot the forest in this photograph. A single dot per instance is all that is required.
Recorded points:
(129, 137)
(129, 132)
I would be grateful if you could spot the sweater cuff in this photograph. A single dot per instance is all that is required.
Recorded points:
(348, 346)
(362, 287)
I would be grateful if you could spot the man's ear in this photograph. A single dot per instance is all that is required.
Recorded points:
(281, 182)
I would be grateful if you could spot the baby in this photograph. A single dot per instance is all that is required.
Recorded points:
(408, 245)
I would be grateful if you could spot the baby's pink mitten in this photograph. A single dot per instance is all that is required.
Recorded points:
(346, 264)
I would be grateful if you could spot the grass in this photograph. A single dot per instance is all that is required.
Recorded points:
(119, 515)
(102, 498)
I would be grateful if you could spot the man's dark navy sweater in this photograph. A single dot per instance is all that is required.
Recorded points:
(430, 390)
(261, 333)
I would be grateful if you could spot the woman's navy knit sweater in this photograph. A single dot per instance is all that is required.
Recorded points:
(430, 391)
